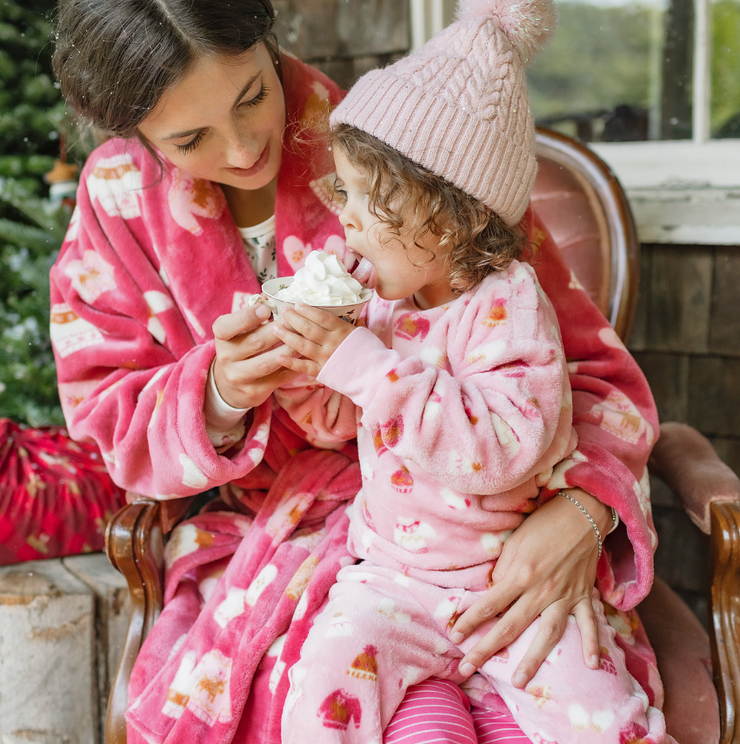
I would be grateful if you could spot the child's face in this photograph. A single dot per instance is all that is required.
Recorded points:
(401, 268)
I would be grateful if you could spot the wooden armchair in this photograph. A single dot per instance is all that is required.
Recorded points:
(587, 213)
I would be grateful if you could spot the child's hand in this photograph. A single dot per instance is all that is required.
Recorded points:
(313, 333)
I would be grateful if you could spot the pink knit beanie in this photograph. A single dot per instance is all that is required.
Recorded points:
(459, 107)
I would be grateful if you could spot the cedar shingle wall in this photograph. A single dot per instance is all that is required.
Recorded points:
(344, 38)
(687, 340)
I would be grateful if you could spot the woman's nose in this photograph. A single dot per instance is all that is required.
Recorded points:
(242, 150)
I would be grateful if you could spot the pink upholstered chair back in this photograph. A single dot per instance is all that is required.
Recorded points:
(587, 214)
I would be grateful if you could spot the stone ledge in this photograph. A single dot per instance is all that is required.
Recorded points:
(112, 611)
(62, 624)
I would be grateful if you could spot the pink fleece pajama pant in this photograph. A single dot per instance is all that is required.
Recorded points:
(382, 632)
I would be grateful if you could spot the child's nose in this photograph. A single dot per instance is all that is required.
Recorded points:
(347, 220)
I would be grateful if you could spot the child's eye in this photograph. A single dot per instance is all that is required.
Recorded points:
(339, 193)
(264, 90)
(190, 146)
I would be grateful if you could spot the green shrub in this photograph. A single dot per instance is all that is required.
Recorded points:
(31, 230)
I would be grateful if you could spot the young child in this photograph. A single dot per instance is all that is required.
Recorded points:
(462, 390)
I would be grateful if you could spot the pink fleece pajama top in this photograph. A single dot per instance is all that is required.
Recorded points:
(458, 402)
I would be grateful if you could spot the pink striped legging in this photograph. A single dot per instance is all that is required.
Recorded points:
(438, 711)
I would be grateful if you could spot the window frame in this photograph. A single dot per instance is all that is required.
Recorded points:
(681, 191)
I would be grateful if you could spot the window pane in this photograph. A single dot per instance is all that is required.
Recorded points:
(617, 70)
(725, 106)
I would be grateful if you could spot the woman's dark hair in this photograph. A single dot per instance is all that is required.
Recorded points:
(115, 58)
(477, 240)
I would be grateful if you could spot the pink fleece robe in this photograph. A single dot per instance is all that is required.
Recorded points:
(149, 262)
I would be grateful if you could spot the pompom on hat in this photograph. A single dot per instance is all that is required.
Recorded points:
(459, 106)
(528, 24)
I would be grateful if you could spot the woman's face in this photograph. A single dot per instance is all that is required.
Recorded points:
(223, 121)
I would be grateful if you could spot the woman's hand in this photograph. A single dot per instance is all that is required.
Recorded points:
(547, 569)
(313, 335)
(247, 369)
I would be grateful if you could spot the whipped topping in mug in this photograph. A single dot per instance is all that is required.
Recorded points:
(323, 281)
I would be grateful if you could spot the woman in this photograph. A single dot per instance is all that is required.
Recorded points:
(162, 364)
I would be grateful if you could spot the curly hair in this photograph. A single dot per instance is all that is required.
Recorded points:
(478, 242)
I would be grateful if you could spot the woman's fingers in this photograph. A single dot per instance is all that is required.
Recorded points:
(586, 620)
(300, 366)
(241, 346)
(506, 630)
(251, 362)
(255, 367)
(547, 569)
(252, 343)
(277, 378)
(552, 622)
(227, 327)
(550, 630)
(260, 388)
(246, 383)
(491, 604)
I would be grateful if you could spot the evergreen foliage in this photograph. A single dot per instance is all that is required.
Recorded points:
(31, 230)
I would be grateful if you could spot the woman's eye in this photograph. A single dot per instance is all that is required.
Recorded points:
(264, 90)
(190, 146)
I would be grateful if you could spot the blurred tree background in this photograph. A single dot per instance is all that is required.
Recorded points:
(725, 104)
(634, 59)
(604, 61)
(31, 228)
(599, 58)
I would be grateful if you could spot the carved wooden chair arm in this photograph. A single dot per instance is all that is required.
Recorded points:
(133, 543)
(725, 635)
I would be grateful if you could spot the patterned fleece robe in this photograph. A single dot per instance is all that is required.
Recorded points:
(465, 410)
(149, 262)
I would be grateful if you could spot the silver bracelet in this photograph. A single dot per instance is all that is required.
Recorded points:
(588, 516)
